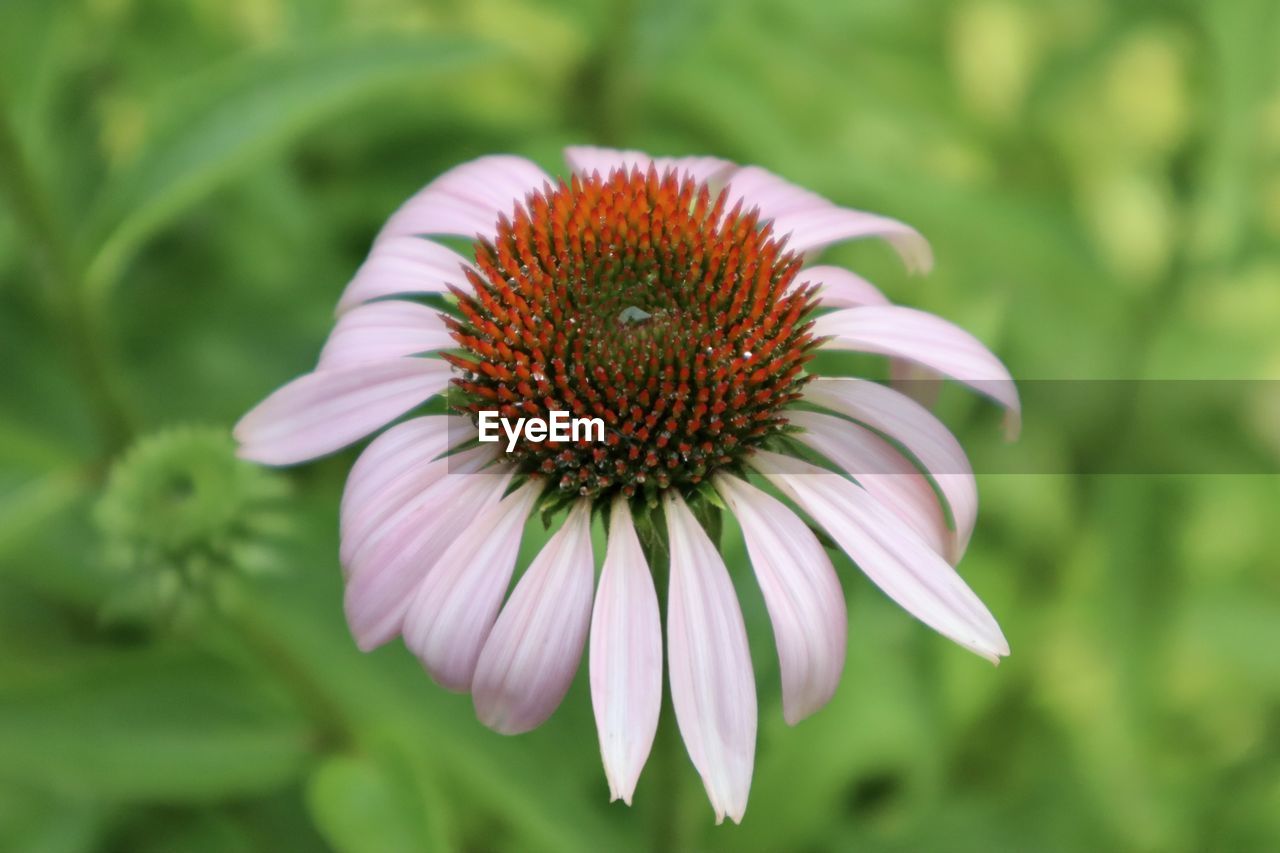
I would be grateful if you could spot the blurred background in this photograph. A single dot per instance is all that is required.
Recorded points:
(187, 186)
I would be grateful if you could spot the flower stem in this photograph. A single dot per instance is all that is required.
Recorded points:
(64, 298)
(669, 825)
(332, 727)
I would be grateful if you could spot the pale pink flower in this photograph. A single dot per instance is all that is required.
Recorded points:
(670, 298)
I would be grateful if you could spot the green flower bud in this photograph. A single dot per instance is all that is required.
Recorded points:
(180, 517)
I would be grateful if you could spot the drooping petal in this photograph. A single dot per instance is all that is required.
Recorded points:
(712, 685)
(916, 429)
(801, 592)
(381, 331)
(466, 200)
(626, 657)
(889, 552)
(396, 465)
(882, 471)
(454, 607)
(396, 554)
(392, 518)
(812, 230)
(586, 159)
(403, 266)
(528, 662)
(752, 186)
(813, 222)
(323, 411)
(841, 288)
(925, 339)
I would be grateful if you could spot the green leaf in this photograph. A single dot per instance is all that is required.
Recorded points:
(208, 129)
(25, 508)
(505, 780)
(360, 808)
(152, 725)
(34, 822)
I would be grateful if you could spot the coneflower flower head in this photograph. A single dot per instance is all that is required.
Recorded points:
(637, 298)
(671, 300)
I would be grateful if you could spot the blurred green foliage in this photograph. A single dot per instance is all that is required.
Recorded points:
(187, 185)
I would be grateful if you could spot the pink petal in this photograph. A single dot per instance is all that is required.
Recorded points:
(401, 266)
(755, 187)
(881, 470)
(381, 331)
(841, 288)
(712, 686)
(529, 660)
(397, 464)
(626, 657)
(918, 431)
(320, 412)
(813, 222)
(453, 610)
(466, 200)
(396, 553)
(927, 340)
(801, 592)
(585, 159)
(812, 230)
(889, 552)
(709, 170)
(381, 528)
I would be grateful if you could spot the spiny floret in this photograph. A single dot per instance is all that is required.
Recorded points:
(634, 298)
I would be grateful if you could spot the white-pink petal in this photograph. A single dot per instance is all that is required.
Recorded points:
(530, 657)
(812, 230)
(395, 465)
(466, 200)
(323, 411)
(626, 657)
(814, 222)
(889, 552)
(918, 431)
(928, 340)
(404, 266)
(801, 592)
(811, 221)
(454, 607)
(381, 331)
(586, 159)
(712, 685)
(840, 288)
(398, 550)
(752, 186)
(373, 531)
(881, 470)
